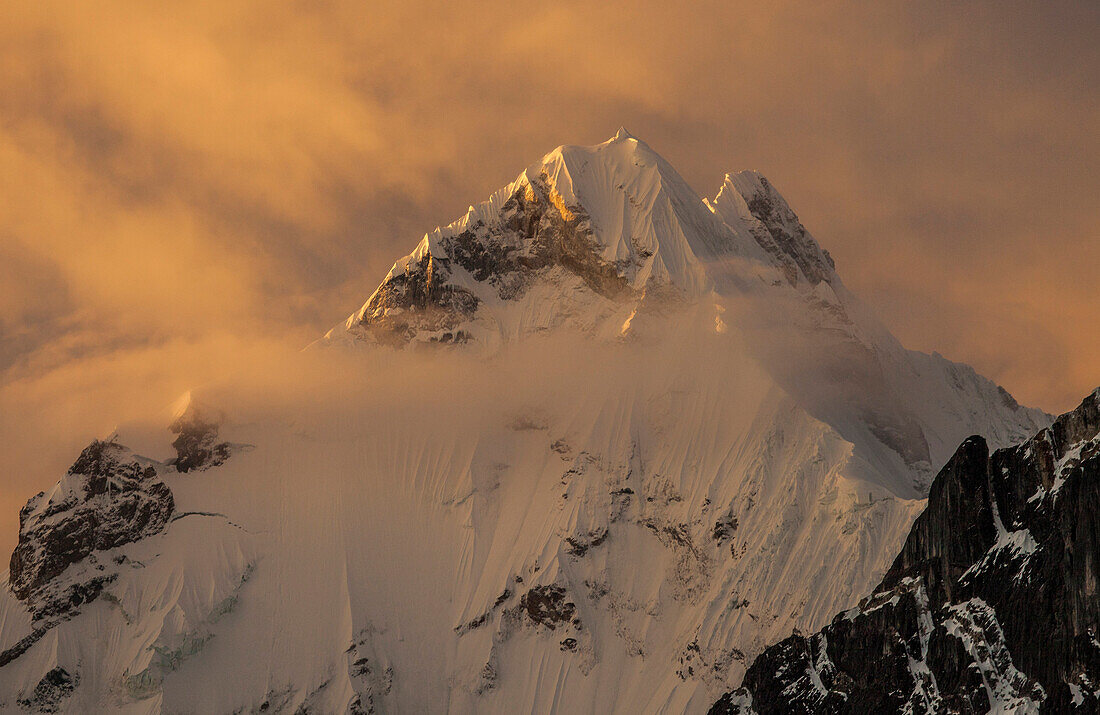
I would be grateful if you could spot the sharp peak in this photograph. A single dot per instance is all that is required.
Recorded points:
(620, 146)
(751, 183)
(625, 139)
(622, 136)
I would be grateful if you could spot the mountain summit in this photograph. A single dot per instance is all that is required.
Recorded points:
(595, 238)
(587, 236)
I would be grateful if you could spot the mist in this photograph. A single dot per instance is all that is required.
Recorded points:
(259, 384)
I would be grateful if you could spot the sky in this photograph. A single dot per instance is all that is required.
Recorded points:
(190, 186)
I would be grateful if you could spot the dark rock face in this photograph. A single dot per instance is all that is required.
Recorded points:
(51, 692)
(992, 604)
(786, 238)
(539, 230)
(546, 605)
(197, 446)
(22, 645)
(107, 499)
(418, 299)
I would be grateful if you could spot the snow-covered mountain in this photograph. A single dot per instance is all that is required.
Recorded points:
(590, 448)
(597, 238)
(991, 606)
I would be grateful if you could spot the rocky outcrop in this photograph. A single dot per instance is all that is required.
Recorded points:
(416, 299)
(196, 444)
(532, 231)
(547, 606)
(108, 498)
(51, 692)
(993, 603)
(535, 229)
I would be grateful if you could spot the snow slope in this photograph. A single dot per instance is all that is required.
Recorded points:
(669, 436)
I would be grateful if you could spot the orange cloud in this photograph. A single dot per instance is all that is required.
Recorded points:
(183, 181)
